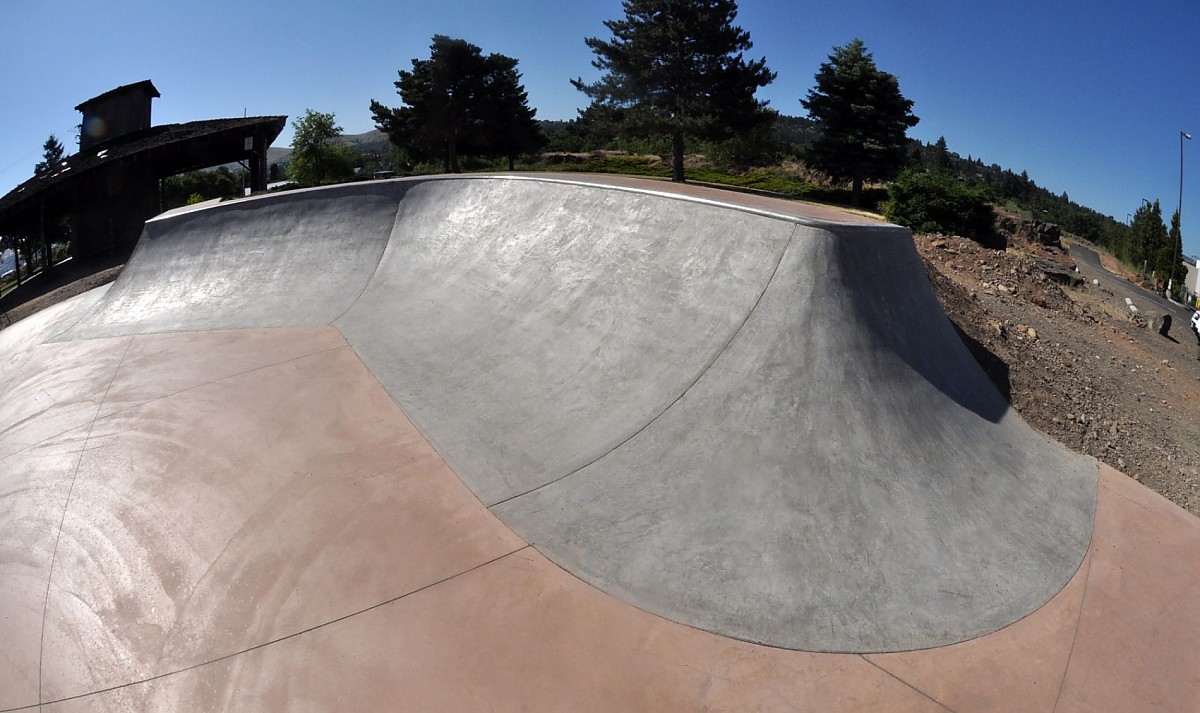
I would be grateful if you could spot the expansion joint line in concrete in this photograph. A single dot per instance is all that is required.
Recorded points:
(272, 642)
(367, 282)
(700, 375)
(180, 391)
(263, 367)
(918, 691)
(1087, 579)
(84, 449)
(67, 507)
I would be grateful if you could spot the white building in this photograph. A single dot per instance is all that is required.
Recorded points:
(1189, 282)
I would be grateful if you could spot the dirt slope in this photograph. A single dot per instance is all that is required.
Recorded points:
(1075, 365)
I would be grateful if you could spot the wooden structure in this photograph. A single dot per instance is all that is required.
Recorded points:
(111, 187)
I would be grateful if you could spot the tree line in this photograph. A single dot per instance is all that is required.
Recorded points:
(1145, 243)
(672, 71)
(675, 74)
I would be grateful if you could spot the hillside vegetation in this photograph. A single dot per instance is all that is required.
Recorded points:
(771, 161)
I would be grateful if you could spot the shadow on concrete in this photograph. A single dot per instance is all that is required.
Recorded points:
(60, 275)
(996, 369)
(897, 308)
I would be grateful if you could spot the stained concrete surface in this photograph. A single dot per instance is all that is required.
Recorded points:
(687, 404)
(196, 519)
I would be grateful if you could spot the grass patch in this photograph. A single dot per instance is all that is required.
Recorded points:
(627, 165)
(774, 181)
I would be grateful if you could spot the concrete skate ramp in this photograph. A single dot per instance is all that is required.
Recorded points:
(533, 327)
(296, 258)
(755, 424)
(842, 479)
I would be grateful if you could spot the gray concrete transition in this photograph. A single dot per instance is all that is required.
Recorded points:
(750, 421)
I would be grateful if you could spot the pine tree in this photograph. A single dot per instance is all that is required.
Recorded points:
(1175, 272)
(512, 129)
(676, 67)
(863, 116)
(940, 162)
(459, 102)
(1148, 240)
(52, 155)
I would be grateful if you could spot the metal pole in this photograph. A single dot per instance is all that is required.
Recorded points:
(1145, 250)
(1175, 261)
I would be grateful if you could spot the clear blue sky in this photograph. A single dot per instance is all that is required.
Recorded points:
(1088, 97)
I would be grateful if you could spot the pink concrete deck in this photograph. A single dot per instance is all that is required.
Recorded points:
(244, 520)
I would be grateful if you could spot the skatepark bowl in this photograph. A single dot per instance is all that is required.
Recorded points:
(548, 442)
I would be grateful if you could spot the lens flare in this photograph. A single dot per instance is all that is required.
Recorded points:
(95, 128)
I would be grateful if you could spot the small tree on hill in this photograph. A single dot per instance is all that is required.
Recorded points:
(22, 247)
(677, 68)
(52, 155)
(1148, 238)
(863, 116)
(1172, 268)
(316, 159)
(939, 203)
(460, 103)
(939, 161)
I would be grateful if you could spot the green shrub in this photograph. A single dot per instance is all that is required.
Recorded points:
(939, 203)
(609, 163)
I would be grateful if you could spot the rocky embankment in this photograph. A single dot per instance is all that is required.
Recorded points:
(1072, 361)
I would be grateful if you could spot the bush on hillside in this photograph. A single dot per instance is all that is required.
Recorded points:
(871, 198)
(939, 203)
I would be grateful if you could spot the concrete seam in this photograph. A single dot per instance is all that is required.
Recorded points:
(382, 253)
(24, 450)
(404, 412)
(707, 367)
(906, 683)
(1062, 684)
(293, 635)
(66, 508)
(60, 329)
(83, 448)
(217, 381)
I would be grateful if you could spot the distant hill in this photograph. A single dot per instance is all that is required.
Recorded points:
(1018, 191)
(374, 141)
(795, 134)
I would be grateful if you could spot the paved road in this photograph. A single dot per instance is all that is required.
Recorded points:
(1151, 304)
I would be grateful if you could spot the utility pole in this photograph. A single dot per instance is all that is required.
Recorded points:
(1175, 257)
(1145, 247)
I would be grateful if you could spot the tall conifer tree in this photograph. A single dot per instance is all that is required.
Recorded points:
(676, 67)
(1172, 265)
(460, 102)
(863, 118)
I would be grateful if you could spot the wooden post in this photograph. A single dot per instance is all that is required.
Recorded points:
(43, 238)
